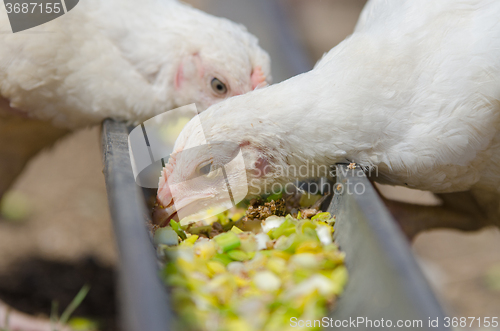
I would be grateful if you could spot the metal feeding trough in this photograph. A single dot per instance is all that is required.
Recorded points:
(384, 280)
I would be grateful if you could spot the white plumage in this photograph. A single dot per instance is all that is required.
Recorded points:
(414, 91)
(128, 60)
(120, 59)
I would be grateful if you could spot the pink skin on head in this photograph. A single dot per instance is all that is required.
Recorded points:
(258, 78)
(166, 209)
(164, 194)
(179, 77)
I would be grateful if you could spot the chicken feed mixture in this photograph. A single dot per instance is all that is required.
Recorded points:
(253, 269)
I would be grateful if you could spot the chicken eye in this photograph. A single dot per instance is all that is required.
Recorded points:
(218, 86)
(205, 170)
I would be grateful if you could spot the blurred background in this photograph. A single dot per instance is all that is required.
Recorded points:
(56, 233)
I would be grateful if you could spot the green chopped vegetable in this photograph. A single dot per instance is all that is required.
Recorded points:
(221, 258)
(227, 241)
(15, 206)
(190, 240)
(236, 230)
(83, 324)
(253, 280)
(285, 229)
(324, 217)
(166, 236)
(237, 255)
(307, 200)
(274, 197)
(177, 228)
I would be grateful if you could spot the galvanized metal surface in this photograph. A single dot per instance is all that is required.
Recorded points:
(385, 281)
(143, 301)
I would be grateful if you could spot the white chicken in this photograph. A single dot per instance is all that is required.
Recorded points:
(414, 92)
(127, 60)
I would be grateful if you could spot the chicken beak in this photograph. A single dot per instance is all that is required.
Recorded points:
(163, 215)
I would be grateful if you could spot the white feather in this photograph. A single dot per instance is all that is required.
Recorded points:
(118, 58)
(415, 91)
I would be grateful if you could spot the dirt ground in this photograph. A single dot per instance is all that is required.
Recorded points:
(67, 241)
(69, 227)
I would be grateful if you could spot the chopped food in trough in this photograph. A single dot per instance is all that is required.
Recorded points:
(253, 270)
